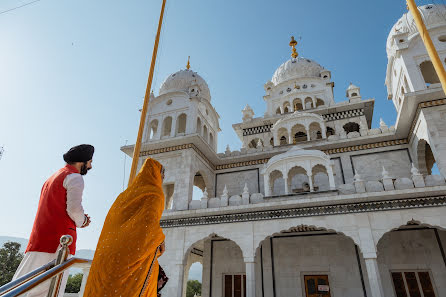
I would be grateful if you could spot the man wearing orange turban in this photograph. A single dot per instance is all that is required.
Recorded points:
(125, 262)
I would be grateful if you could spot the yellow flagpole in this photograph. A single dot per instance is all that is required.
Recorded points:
(438, 66)
(137, 148)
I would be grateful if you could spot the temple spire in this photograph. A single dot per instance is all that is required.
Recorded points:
(293, 44)
(188, 63)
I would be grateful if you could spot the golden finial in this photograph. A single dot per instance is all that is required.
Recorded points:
(295, 85)
(188, 63)
(293, 44)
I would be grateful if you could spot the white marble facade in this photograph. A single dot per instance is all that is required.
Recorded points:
(315, 190)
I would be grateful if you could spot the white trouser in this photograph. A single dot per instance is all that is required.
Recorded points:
(32, 261)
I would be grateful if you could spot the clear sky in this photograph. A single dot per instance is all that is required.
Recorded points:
(75, 71)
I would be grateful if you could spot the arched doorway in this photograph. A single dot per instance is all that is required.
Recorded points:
(426, 160)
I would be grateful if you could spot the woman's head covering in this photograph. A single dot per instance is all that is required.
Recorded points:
(79, 153)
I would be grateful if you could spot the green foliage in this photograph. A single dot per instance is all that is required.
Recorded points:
(74, 283)
(193, 287)
(10, 258)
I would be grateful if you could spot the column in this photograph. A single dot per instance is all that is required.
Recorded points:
(324, 131)
(285, 181)
(330, 177)
(173, 130)
(374, 277)
(290, 137)
(291, 107)
(85, 272)
(310, 182)
(314, 101)
(250, 277)
(308, 134)
(266, 184)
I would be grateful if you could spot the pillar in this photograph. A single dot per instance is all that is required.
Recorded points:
(308, 134)
(250, 277)
(330, 177)
(324, 131)
(173, 131)
(314, 101)
(310, 182)
(290, 137)
(374, 277)
(291, 107)
(85, 272)
(267, 186)
(285, 181)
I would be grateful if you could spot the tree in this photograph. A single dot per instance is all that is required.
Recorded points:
(10, 258)
(193, 287)
(74, 283)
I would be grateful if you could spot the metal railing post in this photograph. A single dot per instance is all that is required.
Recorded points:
(62, 255)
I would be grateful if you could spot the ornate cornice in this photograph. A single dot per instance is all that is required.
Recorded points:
(365, 146)
(421, 105)
(334, 209)
(177, 148)
(243, 164)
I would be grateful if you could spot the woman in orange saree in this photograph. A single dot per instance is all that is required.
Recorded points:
(125, 262)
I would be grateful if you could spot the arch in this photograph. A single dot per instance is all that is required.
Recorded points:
(426, 160)
(199, 181)
(404, 255)
(282, 135)
(181, 123)
(153, 128)
(330, 131)
(167, 126)
(286, 107)
(351, 127)
(271, 141)
(319, 175)
(199, 125)
(315, 131)
(277, 183)
(254, 143)
(298, 180)
(354, 94)
(168, 190)
(211, 139)
(308, 103)
(428, 72)
(205, 133)
(299, 133)
(222, 248)
(319, 102)
(278, 110)
(297, 103)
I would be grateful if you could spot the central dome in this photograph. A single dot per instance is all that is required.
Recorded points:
(182, 80)
(433, 15)
(296, 68)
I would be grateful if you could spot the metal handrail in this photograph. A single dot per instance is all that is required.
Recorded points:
(23, 279)
(57, 270)
(53, 270)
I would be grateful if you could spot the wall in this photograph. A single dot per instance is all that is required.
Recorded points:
(235, 182)
(369, 166)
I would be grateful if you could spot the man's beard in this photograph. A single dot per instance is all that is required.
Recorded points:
(84, 169)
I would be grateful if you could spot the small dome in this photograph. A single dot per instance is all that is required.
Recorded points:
(182, 80)
(296, 68)
(433, 15)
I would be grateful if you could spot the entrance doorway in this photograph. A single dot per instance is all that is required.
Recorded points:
(317, 286)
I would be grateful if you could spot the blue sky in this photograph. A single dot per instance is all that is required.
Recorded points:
(75, 71)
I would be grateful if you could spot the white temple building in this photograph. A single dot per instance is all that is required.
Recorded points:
(317, 202)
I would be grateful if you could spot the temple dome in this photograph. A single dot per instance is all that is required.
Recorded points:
(296, 68)
(433, 16)
(182, 80)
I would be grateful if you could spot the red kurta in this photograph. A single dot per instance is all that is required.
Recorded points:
(52, 220)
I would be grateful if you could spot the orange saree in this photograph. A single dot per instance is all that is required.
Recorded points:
(129, 240)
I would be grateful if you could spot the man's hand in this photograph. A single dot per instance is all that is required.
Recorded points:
(162, 249)
(87, 221)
